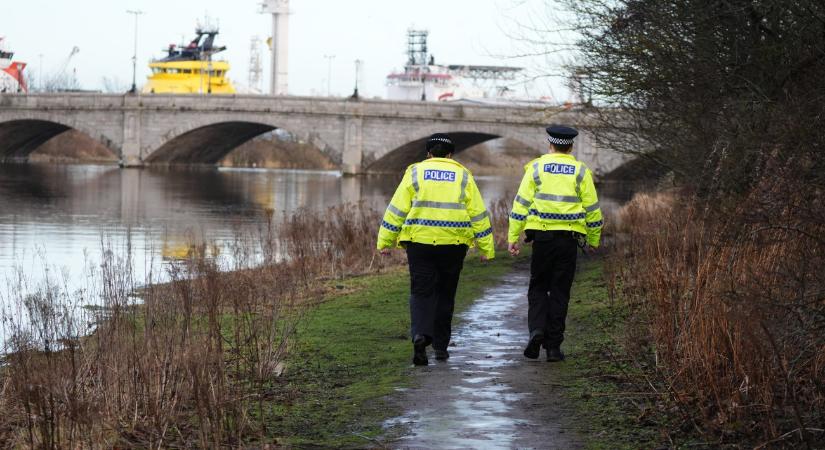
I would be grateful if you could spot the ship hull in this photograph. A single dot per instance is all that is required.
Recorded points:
(11, 77)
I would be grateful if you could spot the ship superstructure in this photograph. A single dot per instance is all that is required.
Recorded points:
(191, 69)
(11, 72)
(423, 79)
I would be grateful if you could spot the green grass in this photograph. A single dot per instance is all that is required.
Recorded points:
(599, 380)
(352, 351)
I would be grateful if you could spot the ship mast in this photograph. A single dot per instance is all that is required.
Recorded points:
(279, 44)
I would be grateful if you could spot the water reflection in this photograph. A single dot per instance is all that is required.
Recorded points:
(62, 211)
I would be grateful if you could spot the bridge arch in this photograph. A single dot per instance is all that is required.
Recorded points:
(210, 141)
(410, 150)
(20, 137)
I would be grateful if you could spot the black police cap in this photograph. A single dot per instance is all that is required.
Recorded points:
(559, 135)
(440, 139)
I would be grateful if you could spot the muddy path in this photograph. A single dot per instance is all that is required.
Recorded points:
(487, 395)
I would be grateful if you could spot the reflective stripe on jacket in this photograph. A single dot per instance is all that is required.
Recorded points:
(437, 203)
(557, 193)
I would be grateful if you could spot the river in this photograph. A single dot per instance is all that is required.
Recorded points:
(55, 216)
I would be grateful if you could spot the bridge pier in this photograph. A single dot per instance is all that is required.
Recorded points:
(353, 146)
(130, 153)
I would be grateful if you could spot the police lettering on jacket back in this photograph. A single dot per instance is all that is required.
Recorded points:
(560, 169)
(439, 175)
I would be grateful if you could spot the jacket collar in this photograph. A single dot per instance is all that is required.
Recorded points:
(444, 160)
(561, 155)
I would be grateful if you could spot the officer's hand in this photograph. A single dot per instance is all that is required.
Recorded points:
(385, 251)
(590, 250)
(483, 258)
(514, 249)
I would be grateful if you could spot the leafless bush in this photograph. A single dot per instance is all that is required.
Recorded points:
(735, 308)
(499, 219)
(337, 242)
(190, 362)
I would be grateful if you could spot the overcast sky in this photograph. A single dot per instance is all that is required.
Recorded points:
(461, 32)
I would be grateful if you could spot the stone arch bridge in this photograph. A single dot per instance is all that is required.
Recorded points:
(359, 135)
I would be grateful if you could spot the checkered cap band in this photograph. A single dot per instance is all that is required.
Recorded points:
(558, 141)
(439, 139)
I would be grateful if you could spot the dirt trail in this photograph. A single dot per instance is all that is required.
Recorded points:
(487, 395)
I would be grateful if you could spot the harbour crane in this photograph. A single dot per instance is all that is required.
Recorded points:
(61, 81)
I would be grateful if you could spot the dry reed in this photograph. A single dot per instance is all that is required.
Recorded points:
(190, 362)
(733, 299)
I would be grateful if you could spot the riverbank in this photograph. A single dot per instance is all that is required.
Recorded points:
(612, 404)
(327, 374)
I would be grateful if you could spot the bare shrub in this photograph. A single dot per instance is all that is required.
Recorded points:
(190, 362)
(734, 304)
(499, 219)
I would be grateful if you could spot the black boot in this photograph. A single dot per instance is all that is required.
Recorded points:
(534, 346)
(554, 354)
(420, 350)
(441, 355)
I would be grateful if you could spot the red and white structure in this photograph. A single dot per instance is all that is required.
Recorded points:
(11, 72)
(424, 80)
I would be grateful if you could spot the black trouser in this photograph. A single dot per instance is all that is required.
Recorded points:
(434, 272)
(552, 268)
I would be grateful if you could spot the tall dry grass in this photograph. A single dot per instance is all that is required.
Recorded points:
(190, 362)
(731, 300)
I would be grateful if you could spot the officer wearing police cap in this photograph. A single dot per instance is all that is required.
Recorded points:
(436, 213)
(557, 207)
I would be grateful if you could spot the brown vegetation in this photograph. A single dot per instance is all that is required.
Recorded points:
(269, 152)
(72, 146)
(190, 362)
(725, 276)
(732, 311)
(186, 363)
(265, 151)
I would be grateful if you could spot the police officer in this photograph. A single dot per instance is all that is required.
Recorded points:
(557, 206)
(436, 213)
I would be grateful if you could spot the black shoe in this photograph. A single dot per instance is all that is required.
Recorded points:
(442, 355)
(554, 354)
(534, 346)
(420, 351)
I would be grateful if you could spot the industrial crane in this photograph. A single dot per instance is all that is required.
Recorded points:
(61, 81)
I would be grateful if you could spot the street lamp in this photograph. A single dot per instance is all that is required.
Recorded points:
(329, 59)
(357, 75)
(135, 13)
(40, 72)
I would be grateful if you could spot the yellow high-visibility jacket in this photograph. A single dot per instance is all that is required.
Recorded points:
(437, 203)
(557, 193)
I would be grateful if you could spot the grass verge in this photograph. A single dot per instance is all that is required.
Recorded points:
(604, 386)
(351, 352)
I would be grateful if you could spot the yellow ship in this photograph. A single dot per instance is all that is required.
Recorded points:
(190, 69)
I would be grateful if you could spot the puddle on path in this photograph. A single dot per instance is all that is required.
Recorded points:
(469, 401)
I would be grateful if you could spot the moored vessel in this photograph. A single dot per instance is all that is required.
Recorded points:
(191, 69)
(11, 72)
(423, 79)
